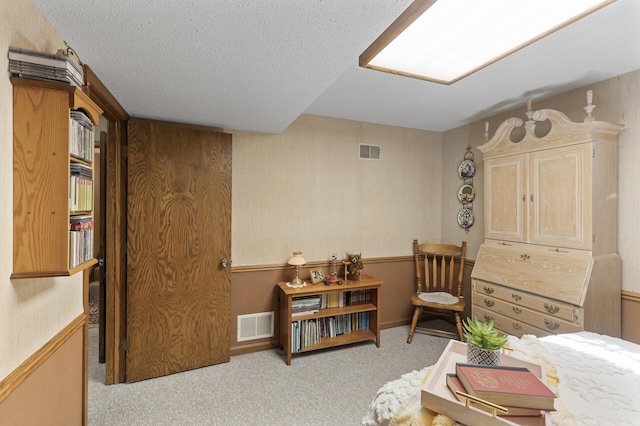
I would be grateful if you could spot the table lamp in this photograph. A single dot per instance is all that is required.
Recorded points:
(297, 260)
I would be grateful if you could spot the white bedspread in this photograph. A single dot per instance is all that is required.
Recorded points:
(599, 382)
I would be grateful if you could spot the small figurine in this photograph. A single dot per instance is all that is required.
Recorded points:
(353, 265)
(332, 278)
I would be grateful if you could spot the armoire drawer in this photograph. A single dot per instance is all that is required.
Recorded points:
(528, 316)
(508, 325)
(521, 298)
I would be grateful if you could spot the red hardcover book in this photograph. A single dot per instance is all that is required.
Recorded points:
(512, 386)
(455, 385)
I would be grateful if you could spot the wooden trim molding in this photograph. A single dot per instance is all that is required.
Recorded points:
(35, 361)
(631, 296)
(115, 220)
(316, 264)
(260, 268)
(99, 93)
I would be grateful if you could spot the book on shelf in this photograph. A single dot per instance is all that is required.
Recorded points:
(309, 332)
(304, 312)
(302, 304)
(80, 222)
(455, 385)
(356, 297)
(334, 299)
(80, 187)
(82, 136)
(512, 386)
(80, 239)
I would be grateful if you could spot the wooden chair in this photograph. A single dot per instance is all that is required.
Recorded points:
(438, 295)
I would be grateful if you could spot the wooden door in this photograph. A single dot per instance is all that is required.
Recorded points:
(506, 200)
(179, 229)
(560, 186)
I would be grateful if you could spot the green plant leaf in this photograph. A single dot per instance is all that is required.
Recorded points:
(482, 334)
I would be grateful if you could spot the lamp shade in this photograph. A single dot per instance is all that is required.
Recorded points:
(297, 259)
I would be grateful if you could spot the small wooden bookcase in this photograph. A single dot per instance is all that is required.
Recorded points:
(362, 317)
(48, 204)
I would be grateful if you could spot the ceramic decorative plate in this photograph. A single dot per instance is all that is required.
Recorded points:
(465, 218)
(466, 194)
(466, 169)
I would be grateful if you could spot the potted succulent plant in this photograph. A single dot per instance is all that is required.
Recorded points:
(484, 343)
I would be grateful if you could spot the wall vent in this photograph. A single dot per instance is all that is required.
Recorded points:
(369, 152)
(255, 326)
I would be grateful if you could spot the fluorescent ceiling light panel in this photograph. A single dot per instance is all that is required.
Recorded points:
(446, 40)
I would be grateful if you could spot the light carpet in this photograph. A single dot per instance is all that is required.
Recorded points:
(328, 387)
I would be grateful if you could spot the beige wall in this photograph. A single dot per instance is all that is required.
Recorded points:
(616, 100)
(31, 311)
(305, 189)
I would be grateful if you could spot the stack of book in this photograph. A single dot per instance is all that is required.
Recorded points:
(310, 332)
(44, 66)
(80, 239)
(81, 138)
(80, 187)
(304, 305)
(515, 389)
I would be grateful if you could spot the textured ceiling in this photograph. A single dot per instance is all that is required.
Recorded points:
(257, 65)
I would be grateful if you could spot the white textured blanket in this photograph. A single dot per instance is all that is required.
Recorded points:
(599, 383)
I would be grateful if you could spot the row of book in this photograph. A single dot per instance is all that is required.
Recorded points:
(335, 299)
(82, 136)
(516, 389)
(305, 333)
(80, 187)
(80, 239)
(36, 65)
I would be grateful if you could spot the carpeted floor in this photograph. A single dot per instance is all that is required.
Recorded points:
(330, 387)
(94, 300)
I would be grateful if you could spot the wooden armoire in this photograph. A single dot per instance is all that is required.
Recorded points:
(549, 264)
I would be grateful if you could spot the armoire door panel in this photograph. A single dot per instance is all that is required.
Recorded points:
(560, 209)
(506, 198)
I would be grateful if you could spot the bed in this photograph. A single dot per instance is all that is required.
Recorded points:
(596, 378)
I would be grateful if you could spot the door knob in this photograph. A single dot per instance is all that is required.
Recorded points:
(224, 262)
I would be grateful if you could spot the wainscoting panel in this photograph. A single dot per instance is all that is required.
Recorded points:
(631, 316)
(254, 289)
(47, 389)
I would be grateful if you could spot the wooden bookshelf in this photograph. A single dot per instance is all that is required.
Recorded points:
(368, 312)
(42, 158)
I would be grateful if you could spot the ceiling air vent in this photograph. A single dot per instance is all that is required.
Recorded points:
(369, 152)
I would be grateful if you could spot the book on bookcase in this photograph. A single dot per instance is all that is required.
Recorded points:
(454, 384)
(309, 332)
(512, 386)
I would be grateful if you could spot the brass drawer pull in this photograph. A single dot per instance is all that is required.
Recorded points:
(516, 326)
(489, 303)
(517, 311)
(551, 309)
(516, 297)
(525, 256)
(557, 250)
(488, 290)
(551, 325)
(487, 317)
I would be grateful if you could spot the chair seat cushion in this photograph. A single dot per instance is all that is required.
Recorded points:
(440, 297)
